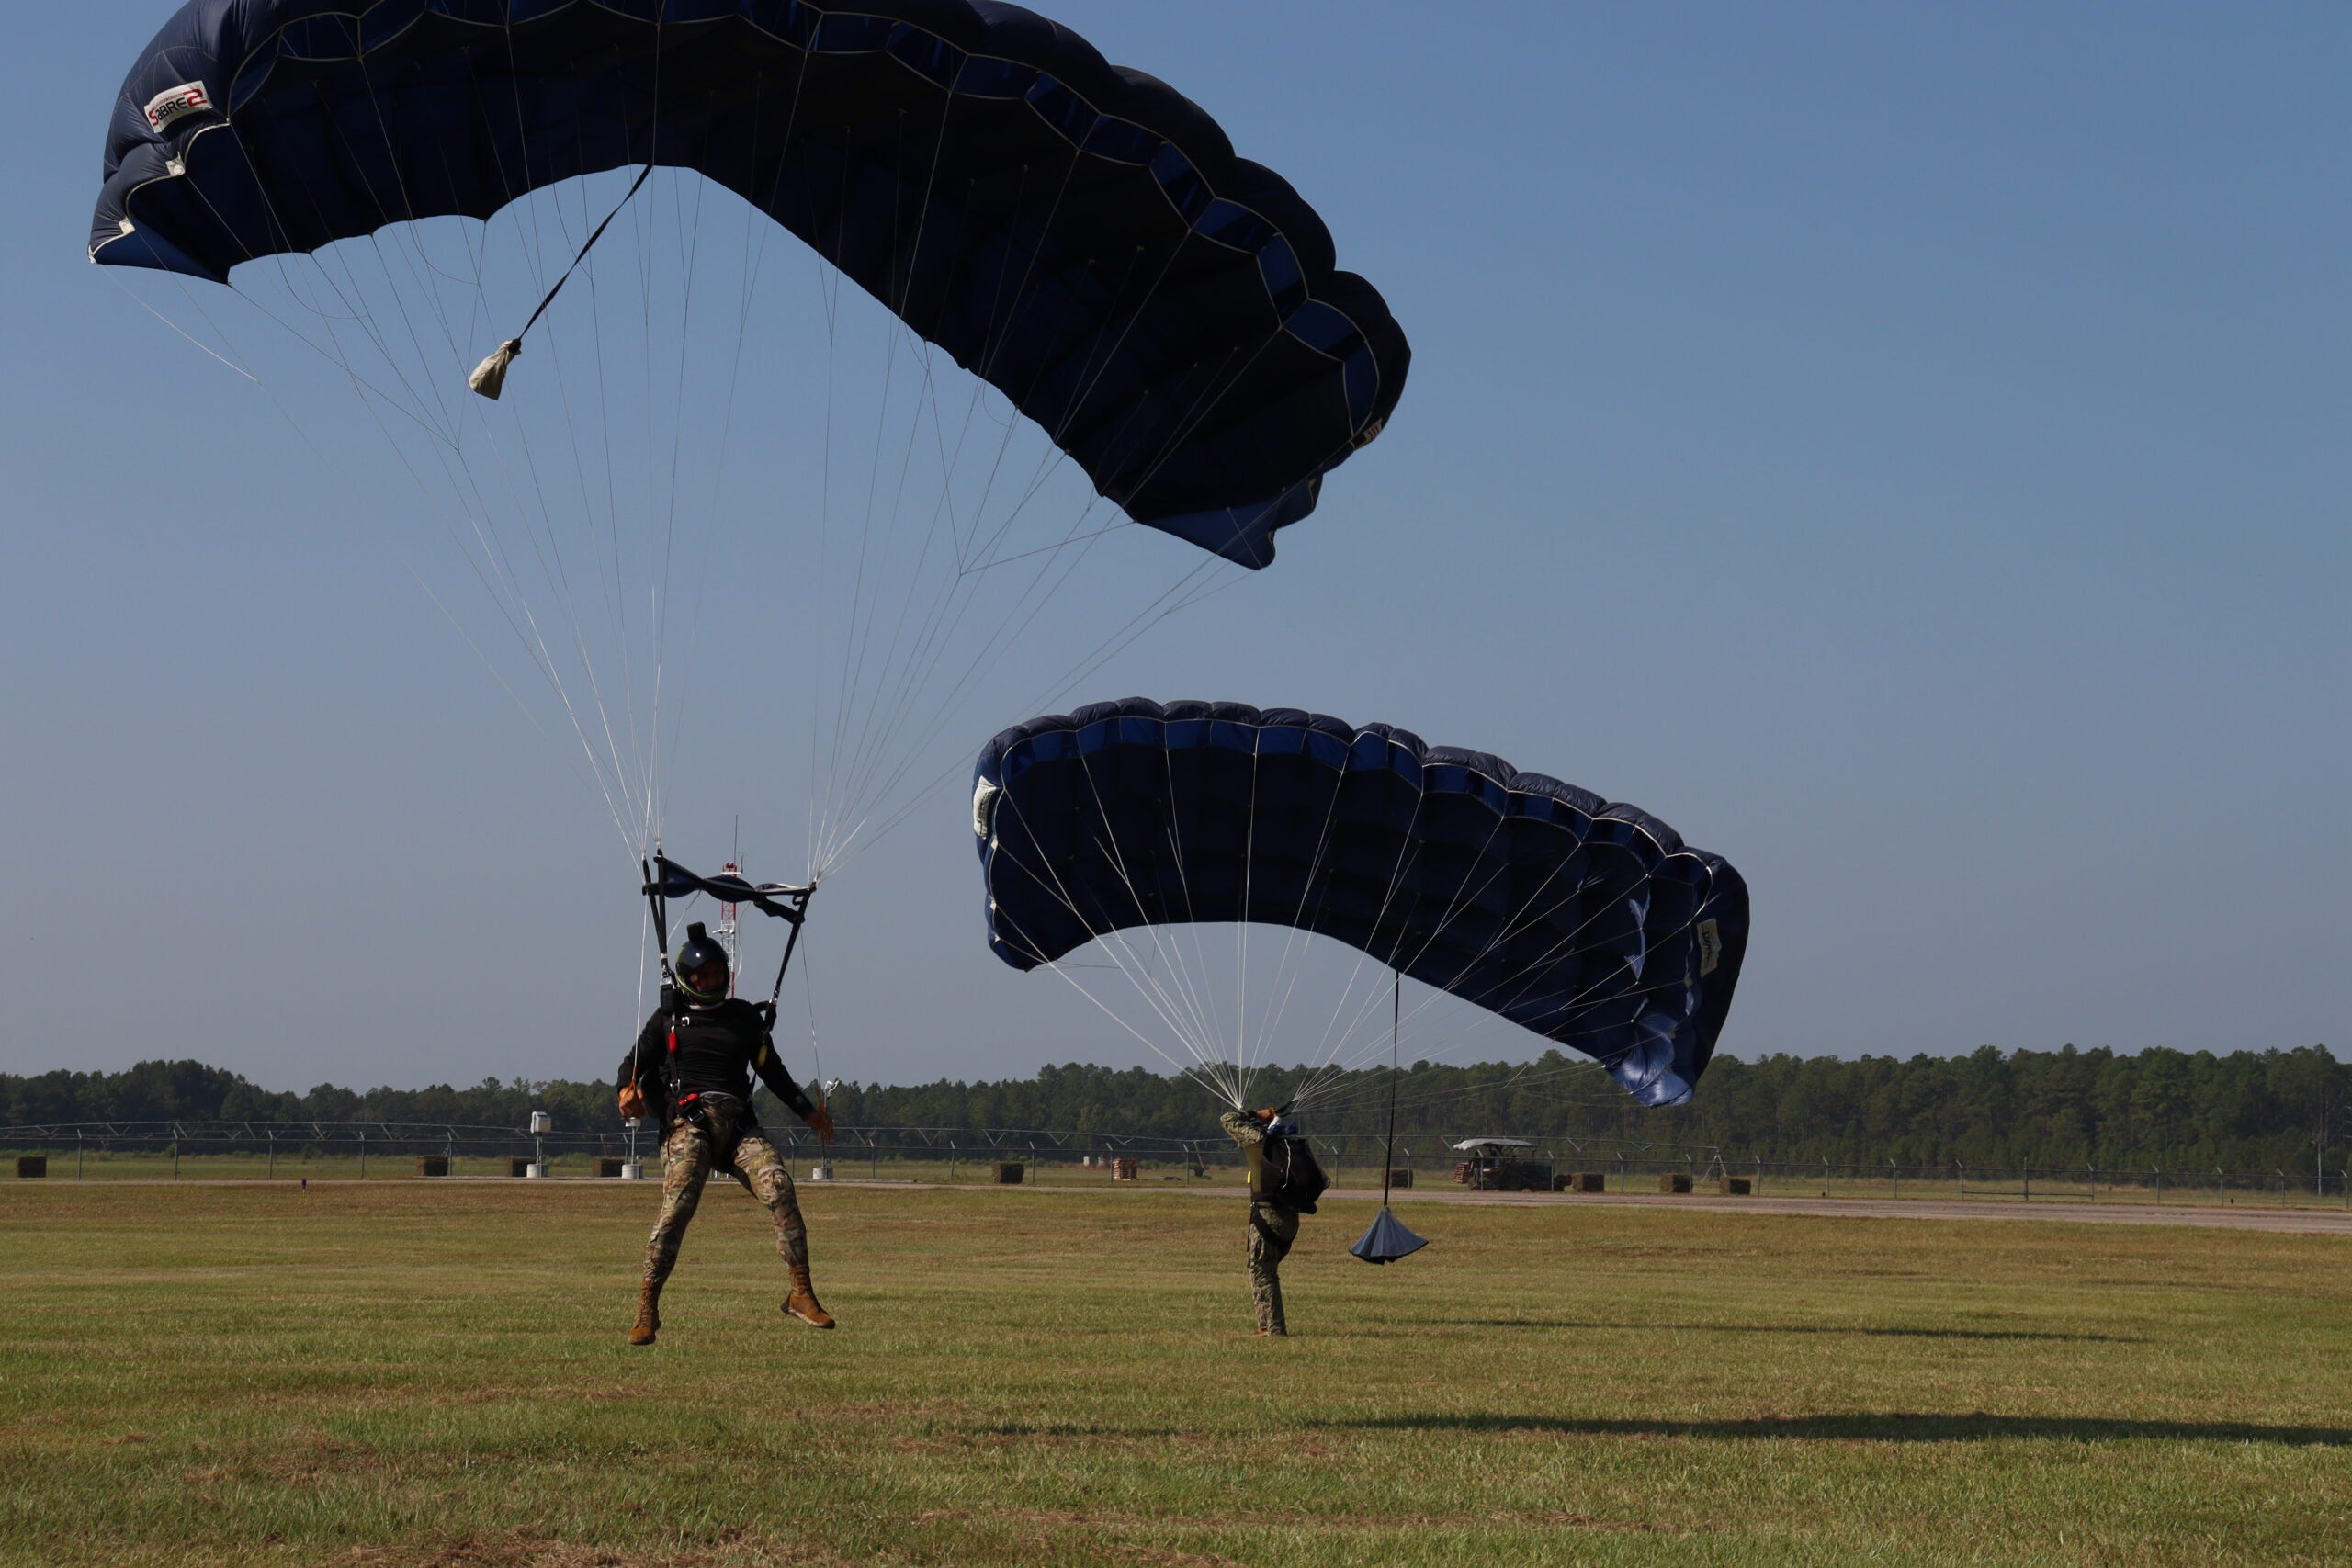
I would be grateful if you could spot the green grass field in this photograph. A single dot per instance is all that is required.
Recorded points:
(411, 1372)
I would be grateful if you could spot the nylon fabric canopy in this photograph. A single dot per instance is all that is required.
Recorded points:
(1590, 922)
(1078, 234)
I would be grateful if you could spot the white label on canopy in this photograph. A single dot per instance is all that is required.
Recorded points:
(174, 103)
(1711, 946)
(983, 806)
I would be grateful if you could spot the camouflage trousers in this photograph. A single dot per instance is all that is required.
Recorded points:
(1272, 1232)
(689, 1157)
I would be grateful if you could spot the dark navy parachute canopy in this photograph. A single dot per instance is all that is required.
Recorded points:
(1589, 922)
(1078, 234)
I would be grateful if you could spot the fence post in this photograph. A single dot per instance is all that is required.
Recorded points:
(77, 1153)
(2221, 1185)
(1894, 1178)
(2094, 1184)
(363, 1155)
(2029, 1184)
(176, 1158)
(1959, 1175)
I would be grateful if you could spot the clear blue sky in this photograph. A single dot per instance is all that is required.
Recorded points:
(1905, 447)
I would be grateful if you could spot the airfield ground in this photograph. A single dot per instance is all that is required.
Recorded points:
(413, 1372)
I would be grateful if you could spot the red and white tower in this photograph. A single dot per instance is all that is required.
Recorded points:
(727, 934)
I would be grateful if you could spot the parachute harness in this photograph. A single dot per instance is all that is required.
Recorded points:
(782, 900)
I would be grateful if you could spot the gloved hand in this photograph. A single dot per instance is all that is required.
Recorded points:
(767, 1013)
(821, 1120)
(632, 1101)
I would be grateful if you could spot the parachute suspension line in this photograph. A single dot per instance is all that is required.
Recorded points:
(499, 580)
(1206, 1066)
(239, 365)
(1209, 577)
(1558, 947)
(1246, 1050)
(1203, 1039)
(1396, 1032)
(879, 759)
(1489, 1017)
(1455, 907)
(233, 369)
(1332, 1045)
(1286, 975)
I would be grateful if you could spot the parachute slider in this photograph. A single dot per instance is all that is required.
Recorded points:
(668, 880)
(1386, 1240)
(490, 377)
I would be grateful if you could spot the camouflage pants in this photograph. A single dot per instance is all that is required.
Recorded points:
(1268, 1246)
(689, 1159)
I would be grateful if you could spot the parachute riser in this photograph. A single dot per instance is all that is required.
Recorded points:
(798, 917)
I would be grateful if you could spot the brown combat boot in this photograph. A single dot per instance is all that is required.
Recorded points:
(648, 1314)
(802, 1303)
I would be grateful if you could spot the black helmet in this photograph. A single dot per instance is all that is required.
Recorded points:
(698, 951)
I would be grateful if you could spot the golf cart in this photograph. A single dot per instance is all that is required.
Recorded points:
(1501, 1165)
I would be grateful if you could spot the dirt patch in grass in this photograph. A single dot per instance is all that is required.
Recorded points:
(523, 1549)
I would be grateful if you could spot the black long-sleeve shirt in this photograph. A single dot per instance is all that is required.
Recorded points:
(718, 1050)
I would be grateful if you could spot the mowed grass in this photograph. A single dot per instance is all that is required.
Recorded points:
(420, 1374)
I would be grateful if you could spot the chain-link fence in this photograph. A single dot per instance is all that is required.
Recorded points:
(241, 1151)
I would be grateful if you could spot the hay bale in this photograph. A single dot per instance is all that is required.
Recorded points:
(31, 1167)
(1586, 1182)
(432, 1165)
(519, 1165)
(1009, 1172)
(1125, 1170)
(1402, 1176)
(1735, 1186)
(1679, 1183)
(611, 1167)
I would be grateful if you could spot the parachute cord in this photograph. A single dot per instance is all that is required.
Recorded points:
(816, 1058)
(1396, 1028)
(490, 377)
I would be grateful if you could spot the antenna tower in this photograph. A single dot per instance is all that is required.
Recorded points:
(728, 937)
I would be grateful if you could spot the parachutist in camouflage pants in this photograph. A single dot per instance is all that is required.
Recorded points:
(693, 1063)
(687, 1159)
(1272, 1228)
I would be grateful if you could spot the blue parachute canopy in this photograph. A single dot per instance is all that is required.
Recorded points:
(1591, 923)
(1078, 234)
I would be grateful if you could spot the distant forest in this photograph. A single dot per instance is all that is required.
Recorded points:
(2181, 1109)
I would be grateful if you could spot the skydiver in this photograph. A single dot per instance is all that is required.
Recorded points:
(1274, 1223)
(694, 1060)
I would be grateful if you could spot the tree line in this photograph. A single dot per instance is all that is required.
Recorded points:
(2064, 1109)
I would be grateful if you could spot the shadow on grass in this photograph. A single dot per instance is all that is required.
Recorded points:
(1902, 1427)
(1801, 1328)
